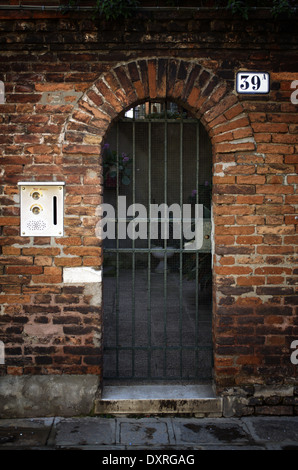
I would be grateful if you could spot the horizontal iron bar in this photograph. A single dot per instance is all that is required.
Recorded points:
(160, 120)
(150, 250)
(158, 348)
(152, 219)
(158, 378)
(148, 8)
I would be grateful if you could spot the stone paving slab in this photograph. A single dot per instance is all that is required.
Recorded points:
(85, 431)
(146, 432)
(211, 431)
(282, 431)
(25, 433)
(149, 434)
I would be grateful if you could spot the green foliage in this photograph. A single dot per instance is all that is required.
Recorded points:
(277, 7)
(242, 7)
(107, 9)
(202, 269)
(281, 6)
(113, 163)
(238, 7)
(114, 9)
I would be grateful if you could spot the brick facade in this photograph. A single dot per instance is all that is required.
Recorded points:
(66, 79)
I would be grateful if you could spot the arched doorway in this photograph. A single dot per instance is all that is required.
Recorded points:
(210, 99)
(156, 289)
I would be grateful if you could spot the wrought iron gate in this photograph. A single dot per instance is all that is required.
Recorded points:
(157, 295)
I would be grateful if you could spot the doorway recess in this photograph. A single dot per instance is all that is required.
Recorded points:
(157, 291)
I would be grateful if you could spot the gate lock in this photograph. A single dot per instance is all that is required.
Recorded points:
(42, 208)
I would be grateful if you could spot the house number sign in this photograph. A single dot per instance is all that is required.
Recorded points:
(252, 82)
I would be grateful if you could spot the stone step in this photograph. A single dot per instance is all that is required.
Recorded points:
(198, 400)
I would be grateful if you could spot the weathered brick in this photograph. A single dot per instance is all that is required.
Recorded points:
(274, 189)
(52, 275)
(109, 96)
(126, 84)
(233, 270)
(235, 189)
(234, 147)
(270, 127)
(221, 107)
(275, 148)
(251, 281)
(152, 78)
(20, 260)
(250, 179)
(68, 261)
(27, 270)
(42, 251)
(194, 73)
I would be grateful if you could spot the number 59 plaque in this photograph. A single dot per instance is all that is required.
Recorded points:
(252, 82)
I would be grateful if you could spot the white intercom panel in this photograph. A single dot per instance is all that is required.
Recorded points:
(42, 208)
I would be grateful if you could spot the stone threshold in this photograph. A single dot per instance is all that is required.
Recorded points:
(194, 399)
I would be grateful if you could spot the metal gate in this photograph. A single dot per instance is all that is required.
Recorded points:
(156, 293)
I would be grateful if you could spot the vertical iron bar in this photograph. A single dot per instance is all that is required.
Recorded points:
(133, 243)
(165, 240)
(197, 253)
(149, 252)
(117, 253)
(181, 243)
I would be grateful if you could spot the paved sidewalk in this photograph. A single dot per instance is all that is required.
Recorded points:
(157, 434)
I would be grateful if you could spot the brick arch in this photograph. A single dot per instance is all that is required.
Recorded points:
(214, 102)
(199, 90)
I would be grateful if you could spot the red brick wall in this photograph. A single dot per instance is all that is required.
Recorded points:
(65, 81)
